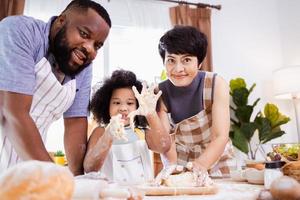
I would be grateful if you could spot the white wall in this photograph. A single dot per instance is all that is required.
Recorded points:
(251, 38)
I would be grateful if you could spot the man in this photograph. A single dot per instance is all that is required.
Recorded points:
(45, 72)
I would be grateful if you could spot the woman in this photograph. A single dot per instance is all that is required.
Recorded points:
(198, 105)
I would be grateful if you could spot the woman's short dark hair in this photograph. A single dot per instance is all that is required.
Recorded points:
(100, 102)
(183, 40)
(85, 4)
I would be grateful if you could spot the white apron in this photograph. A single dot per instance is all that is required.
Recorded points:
(50, 101)
(128, 163)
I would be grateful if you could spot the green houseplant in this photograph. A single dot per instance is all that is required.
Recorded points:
(59, 157)
(266, 123)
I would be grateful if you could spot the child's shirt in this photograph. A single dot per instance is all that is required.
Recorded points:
(129, 162)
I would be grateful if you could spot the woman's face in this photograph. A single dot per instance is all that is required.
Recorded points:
(181, 68)
(122, 102)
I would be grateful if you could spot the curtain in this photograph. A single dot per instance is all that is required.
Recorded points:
(11, 7)
(199, 18)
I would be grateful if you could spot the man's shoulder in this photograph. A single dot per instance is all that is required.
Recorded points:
(27, 28)
(21, 21)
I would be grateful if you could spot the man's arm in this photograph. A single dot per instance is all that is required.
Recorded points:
(20, 128)
(75, 141)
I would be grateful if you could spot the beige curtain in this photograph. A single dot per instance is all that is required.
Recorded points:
(199, 18)
(11, 7)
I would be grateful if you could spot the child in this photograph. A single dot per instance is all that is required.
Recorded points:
(119, 151)
(198, 104)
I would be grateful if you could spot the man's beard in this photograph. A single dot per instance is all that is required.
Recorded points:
(62, 53)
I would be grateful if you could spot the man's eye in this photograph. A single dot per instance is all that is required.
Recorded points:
(98, 46)
(83, 34)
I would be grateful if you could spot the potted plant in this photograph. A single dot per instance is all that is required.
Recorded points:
(266, 124)
(59, 157)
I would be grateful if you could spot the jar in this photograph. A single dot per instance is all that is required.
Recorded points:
(272, 172)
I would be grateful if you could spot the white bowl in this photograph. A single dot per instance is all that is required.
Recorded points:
(255, 176)
(238, 175)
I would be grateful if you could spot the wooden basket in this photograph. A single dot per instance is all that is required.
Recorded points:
(292, 169)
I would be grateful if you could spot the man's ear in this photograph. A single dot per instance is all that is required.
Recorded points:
(61, 20)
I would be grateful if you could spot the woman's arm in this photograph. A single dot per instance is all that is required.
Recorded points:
(220, 126)
(98, 147)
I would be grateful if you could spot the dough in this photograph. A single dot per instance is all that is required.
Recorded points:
(36, 180)
(181, 180)
(285, 188)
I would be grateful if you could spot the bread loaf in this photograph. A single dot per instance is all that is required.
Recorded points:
(36, 180)
(292, 169)
(285, 188)
(181, 180)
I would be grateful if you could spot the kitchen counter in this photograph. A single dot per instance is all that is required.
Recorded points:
(228, 190)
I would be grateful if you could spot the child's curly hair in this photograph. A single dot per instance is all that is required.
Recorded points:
(99, 104)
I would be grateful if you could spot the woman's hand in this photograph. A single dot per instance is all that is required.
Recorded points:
(200, 174)
(116, 127)
(147, 101)
(166, 172)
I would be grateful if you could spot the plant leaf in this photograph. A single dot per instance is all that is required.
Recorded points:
(272, 135)
(248, 130)
(251, 88)
(240, 96)
(239, 140)
(237, 84)
(243, 113)
(264, 127)
(276, 118)
(271, 112)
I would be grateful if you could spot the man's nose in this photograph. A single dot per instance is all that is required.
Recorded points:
(90, 48)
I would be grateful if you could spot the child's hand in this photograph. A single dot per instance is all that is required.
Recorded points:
(147, 101)
(200, 174)
(116, 127)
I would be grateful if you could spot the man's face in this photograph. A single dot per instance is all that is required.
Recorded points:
(79, 36)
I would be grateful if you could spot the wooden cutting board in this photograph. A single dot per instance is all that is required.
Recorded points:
(171, 191)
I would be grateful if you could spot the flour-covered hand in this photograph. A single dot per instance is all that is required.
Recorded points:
(116, 127)
(201, 175)
(147, 101)
(166, 172)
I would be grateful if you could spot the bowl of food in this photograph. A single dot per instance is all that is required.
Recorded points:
(284, 151)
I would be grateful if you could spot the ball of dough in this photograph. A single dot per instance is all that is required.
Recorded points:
(36, 180)
(285, 188)
(181, 180)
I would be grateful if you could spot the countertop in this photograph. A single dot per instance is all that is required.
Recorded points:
(228, 189)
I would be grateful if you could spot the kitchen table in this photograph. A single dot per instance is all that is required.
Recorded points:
(228, 190)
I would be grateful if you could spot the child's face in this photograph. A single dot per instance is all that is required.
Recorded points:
(122, 102)
(181, 68)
